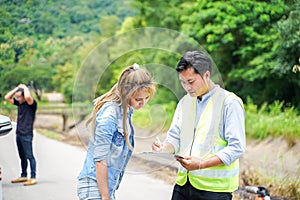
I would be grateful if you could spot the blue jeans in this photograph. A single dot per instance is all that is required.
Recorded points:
(24, 144)
(87, 189)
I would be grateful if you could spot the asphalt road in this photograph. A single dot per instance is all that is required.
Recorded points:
(58, 165)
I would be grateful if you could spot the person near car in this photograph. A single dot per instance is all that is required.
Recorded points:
(27, 106)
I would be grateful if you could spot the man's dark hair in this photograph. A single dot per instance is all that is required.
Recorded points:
(197, 60)
(20, 90)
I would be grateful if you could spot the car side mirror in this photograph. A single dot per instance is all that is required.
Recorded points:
(5, 125)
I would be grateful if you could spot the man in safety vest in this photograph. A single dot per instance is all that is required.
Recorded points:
(207, 134)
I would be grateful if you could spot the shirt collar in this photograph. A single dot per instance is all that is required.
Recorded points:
(209, 94)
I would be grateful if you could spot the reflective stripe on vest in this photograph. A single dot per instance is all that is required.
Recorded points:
(210, 173)
(203, 142)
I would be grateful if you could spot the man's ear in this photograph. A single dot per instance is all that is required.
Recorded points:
(206, 75)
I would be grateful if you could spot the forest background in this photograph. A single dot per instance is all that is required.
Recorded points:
(254, 44)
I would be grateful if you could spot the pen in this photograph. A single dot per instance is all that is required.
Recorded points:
(160, 144)
(157, 139)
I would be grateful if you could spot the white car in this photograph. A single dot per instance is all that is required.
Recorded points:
(5, 128)
(5, 125)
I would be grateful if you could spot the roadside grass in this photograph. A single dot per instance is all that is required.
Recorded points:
(278, 186)
(272, 120)
(69, 139)
(51, 134)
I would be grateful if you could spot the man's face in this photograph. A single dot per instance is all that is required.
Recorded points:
(193, 83)
(19, 97)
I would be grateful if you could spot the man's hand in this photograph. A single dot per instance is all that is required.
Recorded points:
(10, 95)
(190, 163)
(27, 95)
(165, 147)
(23, 86)
(157, 146)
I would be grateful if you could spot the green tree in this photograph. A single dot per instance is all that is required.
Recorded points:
(37, 77)
(288, 42)
(64, 80)
(109, 25)
(253, 43)
(158, 13)
(20, 46)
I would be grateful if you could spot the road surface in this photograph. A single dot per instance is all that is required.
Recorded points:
(58, 165)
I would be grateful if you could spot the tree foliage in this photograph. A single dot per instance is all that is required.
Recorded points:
(254, 44)
(43, 43)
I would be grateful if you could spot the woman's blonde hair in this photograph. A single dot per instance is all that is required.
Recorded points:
(132, 80)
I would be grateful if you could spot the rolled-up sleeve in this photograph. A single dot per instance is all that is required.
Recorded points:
(233, 131)
(105, 126)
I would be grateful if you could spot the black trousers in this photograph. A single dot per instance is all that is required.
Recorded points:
(188, 192)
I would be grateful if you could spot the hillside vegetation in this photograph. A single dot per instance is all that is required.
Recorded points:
(255, 44)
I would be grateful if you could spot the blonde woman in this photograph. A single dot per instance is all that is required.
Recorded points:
(111, 146)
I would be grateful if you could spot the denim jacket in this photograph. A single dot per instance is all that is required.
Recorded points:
(109, 144)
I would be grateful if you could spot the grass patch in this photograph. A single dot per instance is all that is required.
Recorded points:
(51, 134)
(272, 120)
(72, 140)
(287, 187)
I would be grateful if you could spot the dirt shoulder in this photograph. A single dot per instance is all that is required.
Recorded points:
(272, 157)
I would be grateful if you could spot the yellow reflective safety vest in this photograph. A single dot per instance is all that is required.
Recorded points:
(203, 141)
